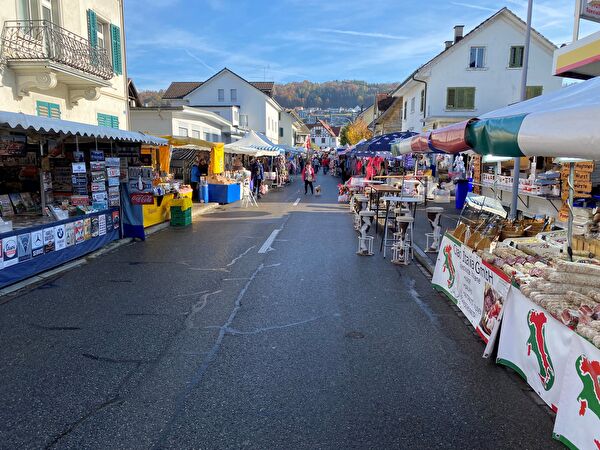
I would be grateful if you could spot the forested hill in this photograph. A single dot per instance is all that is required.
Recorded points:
(330, 94)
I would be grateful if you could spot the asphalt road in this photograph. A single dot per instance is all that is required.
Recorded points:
(209, 337)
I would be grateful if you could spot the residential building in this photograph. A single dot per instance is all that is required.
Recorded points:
(184, 121)
(476, 73)
(64, 59)
(323, 135)
(387, 114)
(292, 131)
(247, 105)
(367, 115)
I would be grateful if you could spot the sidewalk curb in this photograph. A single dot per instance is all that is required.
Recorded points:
(45, 276)
(423, 259)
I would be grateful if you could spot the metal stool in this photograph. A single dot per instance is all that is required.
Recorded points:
(360, 204)
(365, 243)
(434, 215)
(402, 249)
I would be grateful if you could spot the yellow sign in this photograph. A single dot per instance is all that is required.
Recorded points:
(217, 159)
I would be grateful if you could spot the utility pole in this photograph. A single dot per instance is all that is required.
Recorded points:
(517, 161)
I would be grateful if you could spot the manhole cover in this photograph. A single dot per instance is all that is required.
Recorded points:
(355, 335)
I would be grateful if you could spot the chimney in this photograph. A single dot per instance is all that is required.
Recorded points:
(448, 44)
(458, 32)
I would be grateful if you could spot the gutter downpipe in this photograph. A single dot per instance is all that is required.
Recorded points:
(425, 96)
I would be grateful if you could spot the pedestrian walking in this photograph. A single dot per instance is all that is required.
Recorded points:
(195, 179)
(309, 176)
(257, 173)
(316, 164)
(325, 165)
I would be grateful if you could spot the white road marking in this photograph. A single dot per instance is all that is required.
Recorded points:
(267, 245)
(297, 201)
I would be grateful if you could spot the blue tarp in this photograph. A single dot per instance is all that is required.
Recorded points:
(49, 125)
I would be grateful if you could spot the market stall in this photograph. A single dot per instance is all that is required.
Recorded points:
(60, 190)
(540, 283)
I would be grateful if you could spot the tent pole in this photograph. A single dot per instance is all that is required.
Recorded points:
(42, 190)
(517, 169)
(570, 204)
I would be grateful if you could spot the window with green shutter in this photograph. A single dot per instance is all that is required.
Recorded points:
(516, 56)
(533, 91)
(460, 98)
(46, 109)
(106, 120)
(115, 39)
(92, 21)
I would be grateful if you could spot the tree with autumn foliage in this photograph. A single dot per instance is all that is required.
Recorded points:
(357, 131)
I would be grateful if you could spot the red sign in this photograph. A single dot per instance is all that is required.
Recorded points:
(80, 200)
(142, 198)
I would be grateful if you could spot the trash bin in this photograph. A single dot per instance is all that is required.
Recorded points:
(462, 188)
(204, 193)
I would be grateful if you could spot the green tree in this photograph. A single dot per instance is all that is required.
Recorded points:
(344, 135)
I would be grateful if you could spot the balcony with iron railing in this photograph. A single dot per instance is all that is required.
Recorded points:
(41, 40)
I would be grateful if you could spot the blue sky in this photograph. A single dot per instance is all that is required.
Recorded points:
(317, 40)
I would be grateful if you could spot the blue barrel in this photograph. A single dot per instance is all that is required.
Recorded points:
(204, 193)
(462, 188)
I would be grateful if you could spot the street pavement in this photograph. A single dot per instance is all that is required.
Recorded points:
(254, 328)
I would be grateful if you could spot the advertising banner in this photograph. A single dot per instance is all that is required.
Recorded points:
(578, 420)
(534, 344)
(590, 10)
(477, 288)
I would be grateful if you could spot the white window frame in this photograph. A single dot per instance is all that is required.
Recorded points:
(413, 102)
(483, 57)
(195, 134)
(221, 95)
(183, 131)
(34, 10)
(233, 95)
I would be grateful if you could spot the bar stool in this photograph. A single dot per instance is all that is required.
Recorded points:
(434, 215)
(402, 250)
(365, 242)
(360, 204)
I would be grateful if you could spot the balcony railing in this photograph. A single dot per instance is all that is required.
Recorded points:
(44, 40)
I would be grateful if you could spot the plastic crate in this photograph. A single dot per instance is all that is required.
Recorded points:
(179, 217)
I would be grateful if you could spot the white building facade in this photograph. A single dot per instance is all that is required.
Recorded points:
(292, 131)
(64, 59)
(477, 73)
(248, 104)
(323, 135)
(184, 121)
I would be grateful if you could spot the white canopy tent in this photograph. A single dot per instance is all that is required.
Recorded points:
(253, 144)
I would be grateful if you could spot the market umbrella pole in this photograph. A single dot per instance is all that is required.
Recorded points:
(42, 190)
(517, 168)
(570, 204)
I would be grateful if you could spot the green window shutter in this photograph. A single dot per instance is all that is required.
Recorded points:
(54, 110)
(42, 108)
(92, 21)
(533, 91)
(45, 109)
(115, 38)
(451, 98)
(106, 120)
